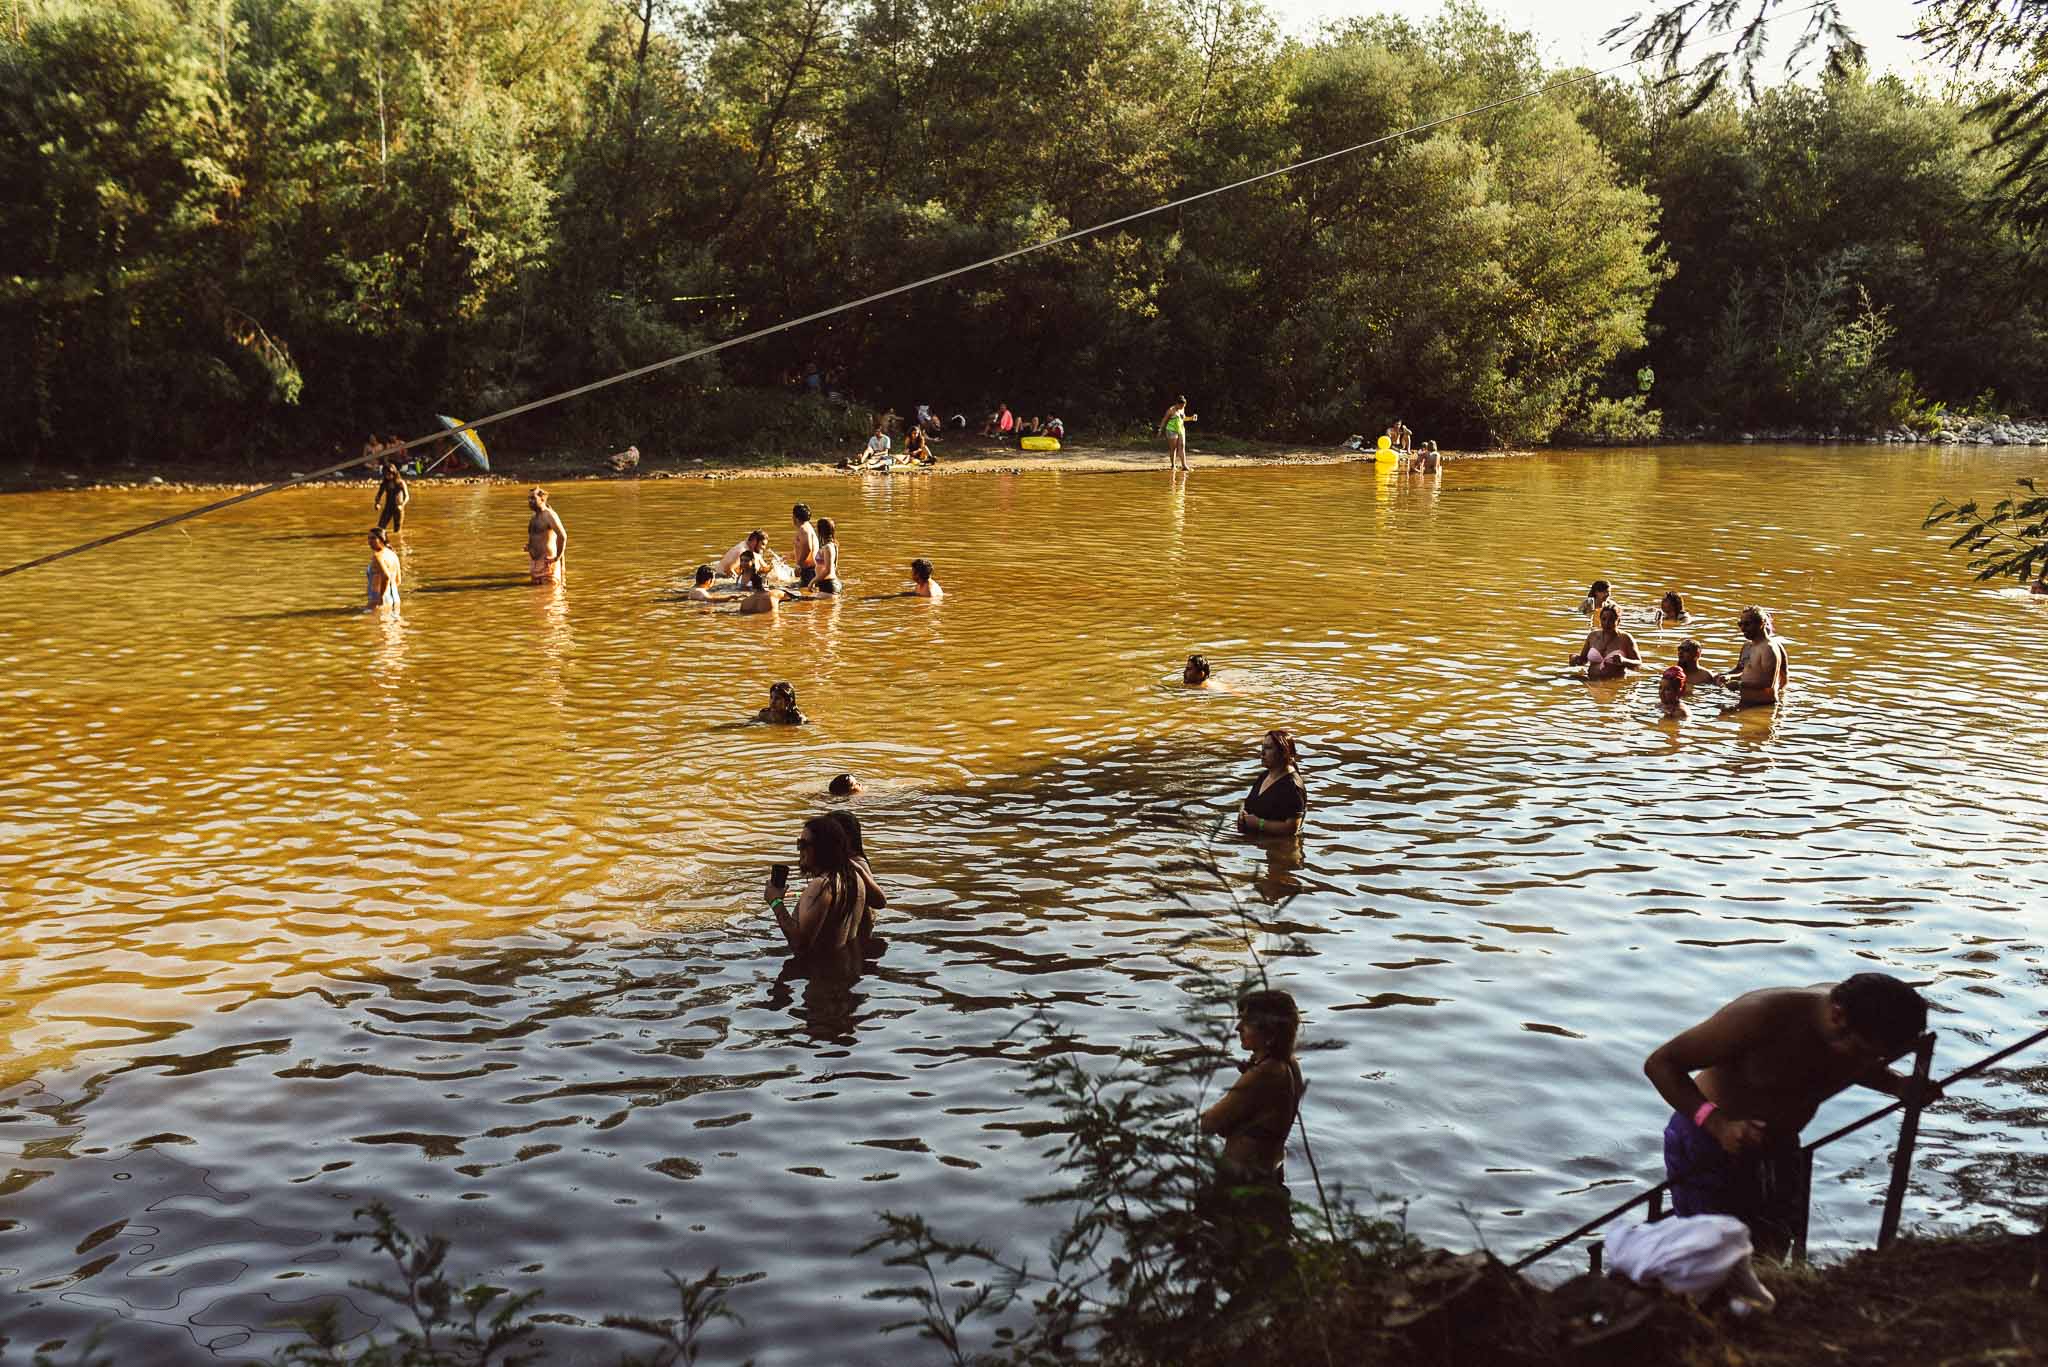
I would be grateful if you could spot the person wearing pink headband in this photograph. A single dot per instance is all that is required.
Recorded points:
(1671, 695)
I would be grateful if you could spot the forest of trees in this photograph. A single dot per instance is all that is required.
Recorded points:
(245, 228)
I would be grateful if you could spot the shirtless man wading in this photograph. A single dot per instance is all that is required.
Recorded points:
(803, 552)
(1760, 674)
(1742, 1083)
(547, 540)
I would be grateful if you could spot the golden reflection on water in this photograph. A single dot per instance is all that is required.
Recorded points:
(461, 908)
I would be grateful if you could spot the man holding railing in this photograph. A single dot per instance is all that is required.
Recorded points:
(1745, 1081)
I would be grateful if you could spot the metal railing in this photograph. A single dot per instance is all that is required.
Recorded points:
(1902, 1158)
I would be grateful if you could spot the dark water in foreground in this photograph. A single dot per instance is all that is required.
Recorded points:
(301, 908)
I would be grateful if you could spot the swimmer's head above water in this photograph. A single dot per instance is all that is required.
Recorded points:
(537, 498)
(1268, 1022)
(827, 530)
(1671, 689)
(1755, 623)
(782, 697)
(843, 785)
(1688, 653)
(1278, 750)
(1610, 617)
(1196, 673)
(1673, 606)
(1598, 593)
(378, 541)
(705, 574)
(800, 514)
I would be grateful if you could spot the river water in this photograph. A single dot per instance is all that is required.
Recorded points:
(462, 911)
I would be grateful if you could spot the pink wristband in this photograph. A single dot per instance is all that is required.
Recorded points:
(1699, 1117)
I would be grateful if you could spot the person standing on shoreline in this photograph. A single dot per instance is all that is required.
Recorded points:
(1743, 1082)
(1174, 424)
(547, 540)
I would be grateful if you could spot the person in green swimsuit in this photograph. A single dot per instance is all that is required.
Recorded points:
(1174, 424)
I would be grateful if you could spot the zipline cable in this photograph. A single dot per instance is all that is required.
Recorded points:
(862, 302)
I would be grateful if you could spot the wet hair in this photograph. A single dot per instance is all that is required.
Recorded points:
(782, 689)
(921, 569)
(1677, 604)
(1196, 665)
(1763, 618)
(1274, 1015)
(831, 853)
(757, 535)
(705, 574)
(1600, 586)
(1882, 1009)
(750, 579)
(827, 529)
(537, 494)
(378, 539)
(1688, 644)
(841, 785)
(1289, 752)
(801, 512)
(849, 824)
(1606, 608)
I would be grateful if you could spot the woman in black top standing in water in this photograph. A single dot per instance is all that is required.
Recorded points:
(1276, 802)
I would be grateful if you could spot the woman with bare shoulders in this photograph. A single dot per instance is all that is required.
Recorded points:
(827, 918)
(1609, 652)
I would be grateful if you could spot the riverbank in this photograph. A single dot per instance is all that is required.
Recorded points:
(1969, 1298)
(956, 456)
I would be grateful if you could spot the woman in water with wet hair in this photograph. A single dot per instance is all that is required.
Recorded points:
(828, 556)
(1196, 674)
(828, 913)
(781, 709)
(1609, 652)
(1672, 609)
(1276, 803)
(1250, 1205)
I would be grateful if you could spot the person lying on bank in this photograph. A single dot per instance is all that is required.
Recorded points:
(1276, 803)
(1743, 1083)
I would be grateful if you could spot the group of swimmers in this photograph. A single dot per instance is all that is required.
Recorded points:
(1758, 679)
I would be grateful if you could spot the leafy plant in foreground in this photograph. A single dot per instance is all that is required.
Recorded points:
(1140, 1275)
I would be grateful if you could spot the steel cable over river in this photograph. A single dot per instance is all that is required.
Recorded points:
(462, 909)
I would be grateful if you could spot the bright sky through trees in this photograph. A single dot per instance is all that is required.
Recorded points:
(1571, 29)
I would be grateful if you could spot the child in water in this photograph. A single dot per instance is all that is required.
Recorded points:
(1671, 696)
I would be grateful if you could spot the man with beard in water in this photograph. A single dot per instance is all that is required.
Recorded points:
(1760, 672)
(1743, 1082)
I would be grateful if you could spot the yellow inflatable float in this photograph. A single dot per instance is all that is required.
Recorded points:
(1039, 444)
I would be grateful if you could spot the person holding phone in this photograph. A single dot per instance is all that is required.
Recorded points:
(828, 912)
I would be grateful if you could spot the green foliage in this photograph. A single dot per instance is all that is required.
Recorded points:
(2011, 540)
(1617, 421)
(453, 1324)
(1146, 1271)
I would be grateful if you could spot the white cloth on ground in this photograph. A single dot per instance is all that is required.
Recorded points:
(1694, 1255)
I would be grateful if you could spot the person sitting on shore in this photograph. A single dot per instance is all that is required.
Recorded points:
(828, 557)
(1595, 599)
(829, 912)
(1671, 608)
(1743, 1083)
(1276, 803)
(1055, 428)
(1689, 665)
(915, 452)
(700, 591)
(1251, 1205)
(382, 573)
(1195, 674)
(781, 709)
(1609, 652)
(1401, 436)
(922, 585)
(755, 544)
(1761, 671)
(1671, 695)
(873, 456)
(843, 785)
